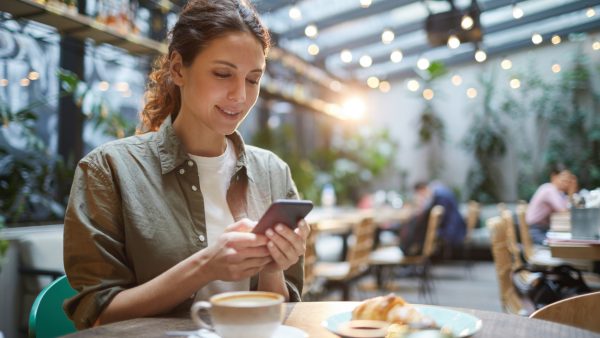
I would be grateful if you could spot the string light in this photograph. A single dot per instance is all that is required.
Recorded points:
(103, 86)
(515, 83)
(537, 38)
(387, 36)
(365, 3)
(453, 42)
(555, 68)
(33, 75)
(428, 94)
(365, 61)
(480, 56)
(456, 80)
(467, 22)
(346, 56)
(311, 31)
(313, 49)
(295, 13)
(122, 86)
(423, 63)
(506, 64)
(590, 12)
(384, 86)
(373, 82)
(413, 85)
(555, 39)
(3, 82)
(471, 93)
(24, 82)
(396, 56)
(517, 12)
(596, 45)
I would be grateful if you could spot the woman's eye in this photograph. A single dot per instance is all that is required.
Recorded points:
(221, 75)
(252, 81)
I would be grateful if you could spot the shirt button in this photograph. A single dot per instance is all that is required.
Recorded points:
(191, 163)
(201, 238)
(194, 188)
(181, 171)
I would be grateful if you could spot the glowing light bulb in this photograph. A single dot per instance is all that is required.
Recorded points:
(453, 42)
(480, 56)
(537, 39)
(506, 64)
(313, 49)
(365, 61)
(555, 68)
(456, 80)
(396, 56)
(295, 13)
(387, 36)
(471, 93)
(413, 85)
(555, 39)
(384, 86)
(517, 12)
(423, 63)
(346, 56)
(466, 22)
(311, 31)
(373, 82)
(428, 94)
(515, 83)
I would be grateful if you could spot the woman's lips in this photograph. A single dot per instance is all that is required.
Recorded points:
(228, 112)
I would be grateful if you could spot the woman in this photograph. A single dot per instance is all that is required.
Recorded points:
(157, 220)
(549, 198)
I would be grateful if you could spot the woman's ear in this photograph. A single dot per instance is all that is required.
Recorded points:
(176, 68)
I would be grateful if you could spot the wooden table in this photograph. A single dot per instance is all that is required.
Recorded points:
(309, 315)
(575, 249)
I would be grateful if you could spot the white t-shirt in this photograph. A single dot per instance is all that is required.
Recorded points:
(214, 174)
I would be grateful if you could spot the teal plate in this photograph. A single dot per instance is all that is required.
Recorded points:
(461, 324)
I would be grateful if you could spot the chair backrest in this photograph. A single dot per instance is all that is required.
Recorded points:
(526, 241)
(358, 254)
(511, 238)
(503, 261)
(435, 217)
(473, 213)
(579, 311)
(310, 258)
(47, 317)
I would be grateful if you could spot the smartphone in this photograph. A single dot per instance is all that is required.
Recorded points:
(288, 212)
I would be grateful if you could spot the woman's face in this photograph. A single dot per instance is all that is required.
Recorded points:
(222, 84)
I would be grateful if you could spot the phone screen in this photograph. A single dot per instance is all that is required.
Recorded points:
(288, 212)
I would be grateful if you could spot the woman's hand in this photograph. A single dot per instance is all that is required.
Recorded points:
(286, 245)
(237, 254)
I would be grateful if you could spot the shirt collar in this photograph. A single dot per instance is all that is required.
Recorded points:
(172, 152)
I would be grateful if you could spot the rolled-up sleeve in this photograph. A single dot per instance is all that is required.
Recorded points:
(94, 252)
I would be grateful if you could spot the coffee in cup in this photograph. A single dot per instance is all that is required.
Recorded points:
(250, 314)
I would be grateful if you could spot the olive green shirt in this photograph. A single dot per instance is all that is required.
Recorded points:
(136, 210)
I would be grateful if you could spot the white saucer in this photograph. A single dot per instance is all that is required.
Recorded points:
(283, 331)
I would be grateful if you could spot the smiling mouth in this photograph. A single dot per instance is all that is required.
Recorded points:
(228, 112)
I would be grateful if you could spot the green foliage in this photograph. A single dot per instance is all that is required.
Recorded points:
(567, 125)
(353, 164)
(350, 166)
(574, 137)
(486, 141)
(29, 175)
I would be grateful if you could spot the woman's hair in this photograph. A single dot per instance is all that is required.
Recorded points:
(557, 168)
(200, 22)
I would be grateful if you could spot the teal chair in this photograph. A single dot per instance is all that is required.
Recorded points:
(47, 318)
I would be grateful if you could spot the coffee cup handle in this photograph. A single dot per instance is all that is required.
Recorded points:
(196, 308)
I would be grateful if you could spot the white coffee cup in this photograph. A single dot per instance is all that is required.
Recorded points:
(249, 314)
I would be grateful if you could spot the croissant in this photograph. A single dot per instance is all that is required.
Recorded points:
(392, 309)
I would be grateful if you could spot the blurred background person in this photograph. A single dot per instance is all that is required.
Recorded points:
(452, 228)
(549, 198)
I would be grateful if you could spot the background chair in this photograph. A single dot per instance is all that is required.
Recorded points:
(344, 274)
(505, 260)
(579, 311)
(384, 260)
(472, 220)
(47, 317)
(310, 259)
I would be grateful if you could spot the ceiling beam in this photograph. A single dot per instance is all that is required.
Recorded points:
(505, 25)
(399, 30)
(270, 6)
(348, 15)
(591, 26)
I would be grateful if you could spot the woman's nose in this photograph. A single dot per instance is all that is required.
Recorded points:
(237, 92)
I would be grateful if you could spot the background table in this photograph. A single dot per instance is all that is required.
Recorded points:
(309, 315)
